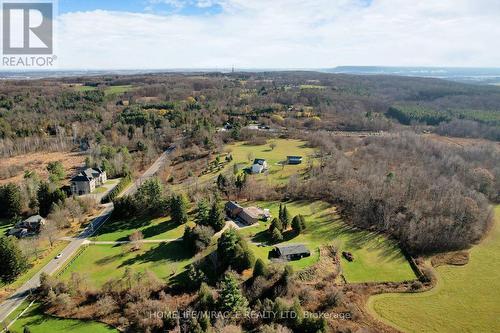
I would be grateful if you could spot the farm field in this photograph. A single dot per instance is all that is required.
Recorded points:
(465, 299)
(244, 153)
(110, 90)
(159, 228)
(12, 168)
(38, 322)
(103, 262)
(376, 258)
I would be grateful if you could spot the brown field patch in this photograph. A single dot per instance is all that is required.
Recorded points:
(460, 142)
(12, 168)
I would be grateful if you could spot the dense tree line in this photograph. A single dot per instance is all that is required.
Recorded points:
(428, 195)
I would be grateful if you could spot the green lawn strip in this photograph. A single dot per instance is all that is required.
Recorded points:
(111, 90)
(277, 173)
(103, 262)
(38, 322)
(465, 300)
(159, 228)
(36, 265)
(5, 225)
(376, 257)
(100, 189)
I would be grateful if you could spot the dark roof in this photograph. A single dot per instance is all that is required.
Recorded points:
(289, 249)
(87, 175)
(231, 205)
(294, 157)
(259, 161)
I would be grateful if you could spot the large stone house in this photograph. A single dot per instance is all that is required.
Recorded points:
(87, 180)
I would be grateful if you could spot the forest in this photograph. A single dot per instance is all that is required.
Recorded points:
(372, 154)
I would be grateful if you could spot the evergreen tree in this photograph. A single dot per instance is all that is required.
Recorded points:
(260, 268)
(280, 214)
(12, 260)
(276, 236)
(297, 224)
(302, 222)
(178, 209)
(232, 250)
(10, 200)
(286, 219)
(202, 213)
(216, 217)
(275, 224)
(230, 297)
(149, 197)
(46, 198)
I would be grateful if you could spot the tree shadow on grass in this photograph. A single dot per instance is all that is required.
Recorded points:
(264, 237)
(109, 259)
(170, 251)
(121, 225)
(159, 228)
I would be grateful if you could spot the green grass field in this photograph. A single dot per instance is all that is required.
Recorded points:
(241, 153)
(103, 262)
(376, 257)
(466, 298)
(110, 90)
(120, 230)
(38, 322)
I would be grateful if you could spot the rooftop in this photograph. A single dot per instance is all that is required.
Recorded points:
(288, 249)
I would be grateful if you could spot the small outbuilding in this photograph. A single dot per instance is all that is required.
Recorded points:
(294, 160)
(292, 251)
(259, 165)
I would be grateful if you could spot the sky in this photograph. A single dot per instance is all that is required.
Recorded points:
(168, 34)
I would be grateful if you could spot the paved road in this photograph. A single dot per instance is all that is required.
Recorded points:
(15, 300)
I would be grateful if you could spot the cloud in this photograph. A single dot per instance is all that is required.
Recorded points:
(286, 34)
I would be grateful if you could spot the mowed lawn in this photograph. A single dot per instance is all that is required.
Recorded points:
(466, 299)
(103, 262)
(156, 229)
(244, 153)
(38, 322)
(376, 257)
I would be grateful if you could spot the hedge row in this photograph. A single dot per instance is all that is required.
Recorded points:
(124, 182)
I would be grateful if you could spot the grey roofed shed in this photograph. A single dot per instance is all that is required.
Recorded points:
(293, 251)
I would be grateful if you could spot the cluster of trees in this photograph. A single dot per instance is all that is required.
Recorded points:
(10, 201)
(233, 251)
(116, 162)
(149, 199)
(430, 196)
(281, 224)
